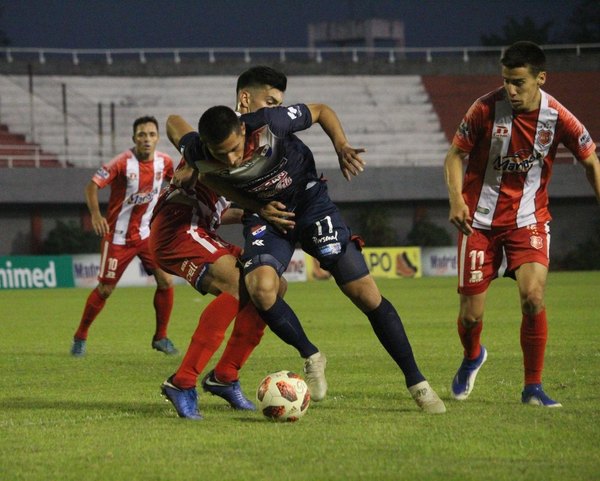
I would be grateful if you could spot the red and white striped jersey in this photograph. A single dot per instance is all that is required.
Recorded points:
(511, 156)
(134, 192)
(208, 206)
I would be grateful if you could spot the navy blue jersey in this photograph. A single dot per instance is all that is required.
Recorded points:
(278, 165)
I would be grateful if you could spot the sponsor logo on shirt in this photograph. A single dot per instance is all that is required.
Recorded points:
(519, 162)
(141, 197)
(501, 131)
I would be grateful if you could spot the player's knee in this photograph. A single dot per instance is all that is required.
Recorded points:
(105, 290)
(469, 321)
(532, 302)
(262, 287)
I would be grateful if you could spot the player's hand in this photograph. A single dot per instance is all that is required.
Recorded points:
(351, 163)
(274, 212)
(460, 217)
(185, 177)
(100, 225)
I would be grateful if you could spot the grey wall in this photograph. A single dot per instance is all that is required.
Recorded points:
(57, 194)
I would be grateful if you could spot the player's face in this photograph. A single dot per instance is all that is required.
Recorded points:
(523, 88)
(231, 151)
(145, 139)
(254, 98)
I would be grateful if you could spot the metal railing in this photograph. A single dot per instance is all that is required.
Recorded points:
(317, 54)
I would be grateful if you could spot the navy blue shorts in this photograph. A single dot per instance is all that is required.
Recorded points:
(326, 237)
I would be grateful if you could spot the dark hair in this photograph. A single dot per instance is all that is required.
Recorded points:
(144, 120)
(261, 75)
(525, 54)
(218, 123)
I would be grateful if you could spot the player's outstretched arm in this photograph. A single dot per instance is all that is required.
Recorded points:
(453, 172)
(351, 163)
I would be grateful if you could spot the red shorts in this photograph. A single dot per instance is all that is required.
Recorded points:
(115, 258)
(184, 248)
(480, 255)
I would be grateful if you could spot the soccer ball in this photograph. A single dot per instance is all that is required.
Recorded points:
(283, 396)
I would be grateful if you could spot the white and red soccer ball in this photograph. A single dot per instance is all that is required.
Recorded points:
(283, 396)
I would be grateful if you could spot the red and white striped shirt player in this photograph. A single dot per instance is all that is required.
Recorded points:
(135, 178)
(509, 139)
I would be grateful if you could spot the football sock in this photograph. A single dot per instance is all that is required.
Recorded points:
(247, 332)
(94, 304)
(286, 325)
(207, 338)
(470, 339)
(534, 333)
(163, 305)
(389, 329)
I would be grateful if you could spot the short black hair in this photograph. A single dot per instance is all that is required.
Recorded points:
(144, 120)
(525, 54)
(261, 75)
(217, 123)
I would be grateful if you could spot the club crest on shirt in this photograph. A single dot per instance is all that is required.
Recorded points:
(536, 242)
(544, 136)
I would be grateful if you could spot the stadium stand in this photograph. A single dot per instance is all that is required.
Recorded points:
(402, 120)
(391, 116)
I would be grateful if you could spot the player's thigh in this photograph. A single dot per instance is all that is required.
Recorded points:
(114, 259)
(264, 245)
(326, 238)
(164, 280)
(479, 258)
(222, 275)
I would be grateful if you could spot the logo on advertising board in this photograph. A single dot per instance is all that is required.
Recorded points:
(35, 272)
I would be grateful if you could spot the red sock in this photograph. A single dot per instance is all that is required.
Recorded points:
(247, 332)
(163, 305)
(534, 333)
(207, 338)
(94, 304)
(470, 339)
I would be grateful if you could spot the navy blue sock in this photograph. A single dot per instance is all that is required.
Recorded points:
(286, 325)
(389, 329)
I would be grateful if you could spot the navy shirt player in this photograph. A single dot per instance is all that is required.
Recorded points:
(258, 155)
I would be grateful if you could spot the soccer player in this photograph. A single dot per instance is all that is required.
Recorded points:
(509, 140)
(258, 154)
(185, 243)
(135, 177)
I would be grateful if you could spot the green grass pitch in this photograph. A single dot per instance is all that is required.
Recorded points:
(102, 418)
